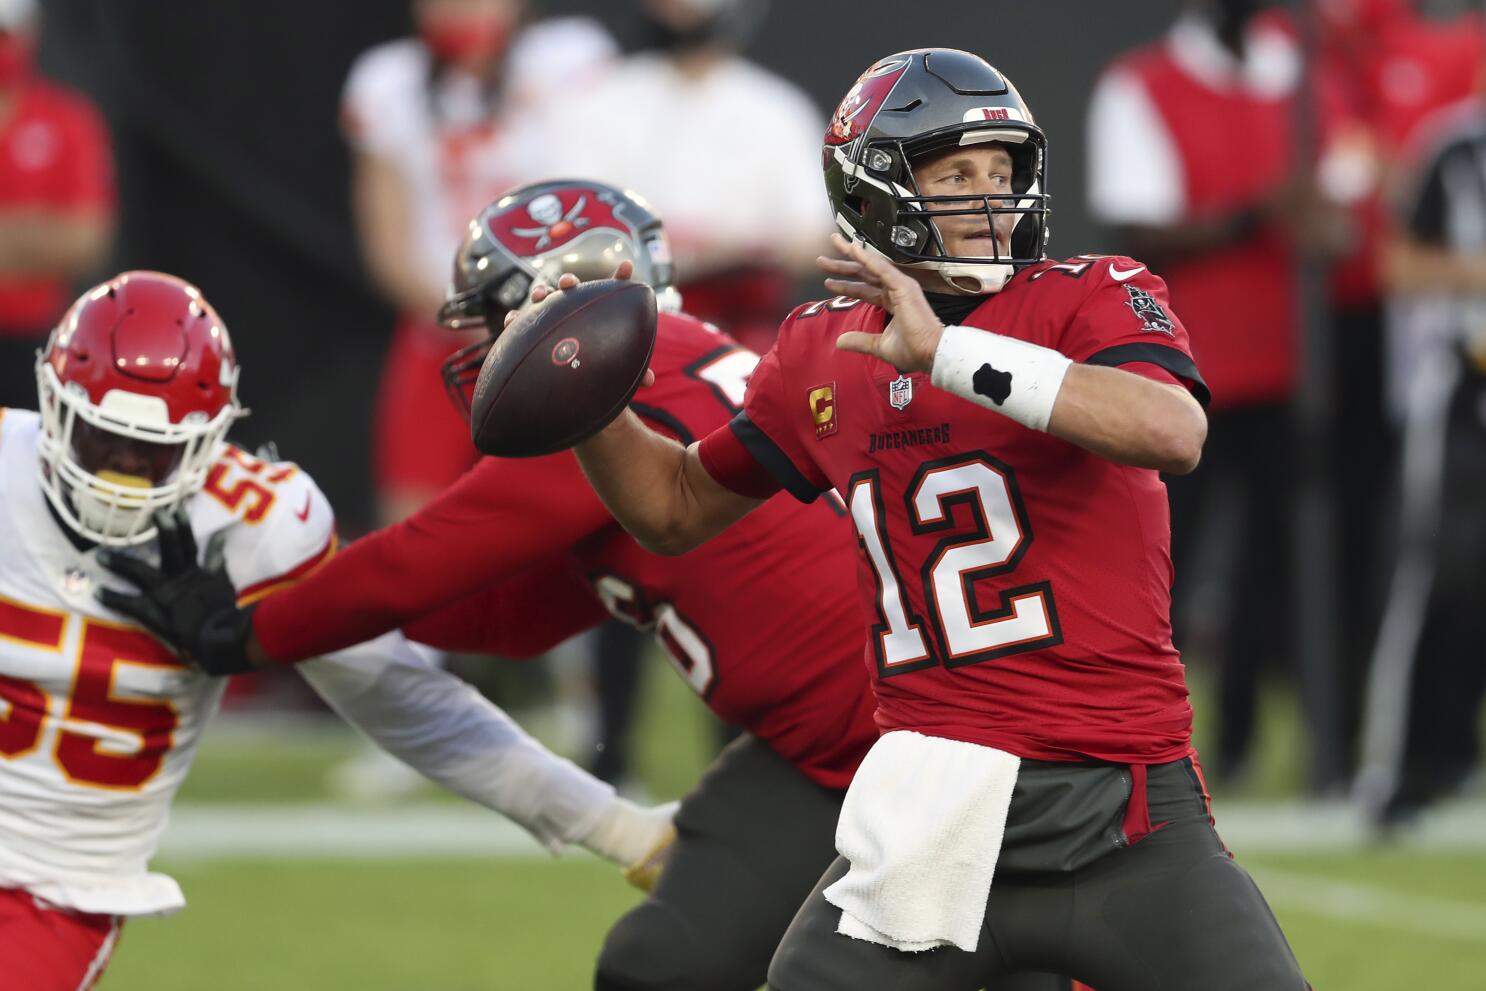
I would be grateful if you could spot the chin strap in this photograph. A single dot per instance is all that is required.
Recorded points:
(982, 279)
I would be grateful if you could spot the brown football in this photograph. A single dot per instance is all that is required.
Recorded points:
(564, 369)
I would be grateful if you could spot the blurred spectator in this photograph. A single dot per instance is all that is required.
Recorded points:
(439, 125)
(1193, 163)
(745, 217)
(56, 201)
(1421, 737)
(1382, 68)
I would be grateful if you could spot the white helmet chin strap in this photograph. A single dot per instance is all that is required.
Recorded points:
(975, 280)
(961, 278)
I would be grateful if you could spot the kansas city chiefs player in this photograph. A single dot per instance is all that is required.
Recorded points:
(99, 721)
(995, 422)
(519, 554)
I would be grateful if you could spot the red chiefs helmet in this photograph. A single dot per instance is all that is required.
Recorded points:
(138, 385)
(536, 233)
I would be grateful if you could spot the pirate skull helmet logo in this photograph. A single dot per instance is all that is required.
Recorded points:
(547, 211)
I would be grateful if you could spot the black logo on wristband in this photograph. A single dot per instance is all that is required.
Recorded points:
(994, 385)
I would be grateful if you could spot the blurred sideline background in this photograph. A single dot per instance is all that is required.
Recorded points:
(232, 173)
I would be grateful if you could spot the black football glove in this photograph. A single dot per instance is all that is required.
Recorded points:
(191, 606)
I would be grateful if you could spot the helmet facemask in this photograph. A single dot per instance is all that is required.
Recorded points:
(915, 104)
(907, 218)
(103, 504)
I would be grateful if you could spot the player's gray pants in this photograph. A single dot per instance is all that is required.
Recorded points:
(753, 838)
(1173, 912)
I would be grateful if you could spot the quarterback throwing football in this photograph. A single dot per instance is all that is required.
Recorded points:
(996, 422)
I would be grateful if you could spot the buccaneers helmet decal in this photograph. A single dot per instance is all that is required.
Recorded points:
(551, 220)
(864, 99)
(539, 232)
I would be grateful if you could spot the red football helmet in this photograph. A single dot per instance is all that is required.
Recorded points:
(537, 232)
(138, 385)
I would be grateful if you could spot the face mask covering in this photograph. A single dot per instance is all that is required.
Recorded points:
(465, 39)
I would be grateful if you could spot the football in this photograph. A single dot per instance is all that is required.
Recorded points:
(564, 369)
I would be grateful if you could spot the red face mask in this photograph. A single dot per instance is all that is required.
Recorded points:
(465, 38)
(1361, 19)
(15, 60)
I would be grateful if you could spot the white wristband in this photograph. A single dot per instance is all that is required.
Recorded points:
(1015, 378)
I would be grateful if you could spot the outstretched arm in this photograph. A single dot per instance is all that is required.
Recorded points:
(1113, 413)
(658, 490)
(448, 732)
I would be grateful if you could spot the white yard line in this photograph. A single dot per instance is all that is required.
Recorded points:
(1386, 908)
(209, 832)
(204, 831)
(1336, 827)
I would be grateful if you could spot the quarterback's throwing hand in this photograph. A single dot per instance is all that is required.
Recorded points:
(912, 335)
(541, 290)
(191, 606)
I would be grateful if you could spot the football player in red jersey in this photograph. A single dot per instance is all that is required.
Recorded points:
(996, 422)
(520, 554)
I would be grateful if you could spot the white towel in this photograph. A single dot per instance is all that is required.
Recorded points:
(922, 827)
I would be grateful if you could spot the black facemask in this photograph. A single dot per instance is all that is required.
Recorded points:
(730, 27)
(662, 36)
(1231, 20)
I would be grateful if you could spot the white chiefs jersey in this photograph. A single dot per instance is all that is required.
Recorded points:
(99, 721)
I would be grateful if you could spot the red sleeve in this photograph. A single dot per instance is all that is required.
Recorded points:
(732, 465)
(88, 179)
(520, 618)
(1155, 373)
(768, 430)
(502, 517)
(1127, 320)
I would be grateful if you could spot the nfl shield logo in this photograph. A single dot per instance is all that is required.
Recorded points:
(900, 392)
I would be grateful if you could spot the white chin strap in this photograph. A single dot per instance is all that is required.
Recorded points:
(961, 278)
(975, 280)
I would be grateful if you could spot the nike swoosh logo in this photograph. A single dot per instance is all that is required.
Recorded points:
(1121, 276)
(304, 514)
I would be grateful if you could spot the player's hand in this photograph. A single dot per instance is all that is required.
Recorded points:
(541, 290)
(191, 606)
(646, 871)
(911, 337)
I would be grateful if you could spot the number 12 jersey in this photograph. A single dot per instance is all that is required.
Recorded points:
(1017, 587)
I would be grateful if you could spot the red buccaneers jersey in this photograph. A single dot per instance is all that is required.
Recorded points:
(519, 554)
(1018, 587)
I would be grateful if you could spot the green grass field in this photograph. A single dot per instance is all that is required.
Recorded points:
(1361, 920)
